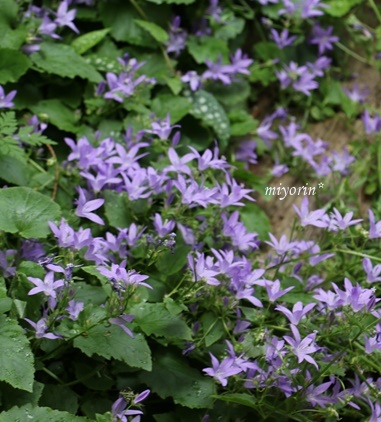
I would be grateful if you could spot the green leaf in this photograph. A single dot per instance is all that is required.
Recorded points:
(15, 171)
(211, 48)
(11, 38)
(24, 211)
(256, 220)
(266, 50)
(231, 28)
(264, 75)
(28, 413)
(210, 111)
(31, 269)
(154, 318)
(170, 263)
(59, 397)
(26, 135)
(89, 40)
(172, 376)
(242, 123)
(333, 92)
(13, 65)
(243, 128)
(9, 9)
(293, 297)
(251, 348)
(239, 398)
(154, 30)
(173, 307)
(339, 8)
(8, 123)
(96, 294)
(156, 66)
(9, 146)
(316, 113)
(104, 64)
(117, 209)
(110, 341)
(5, 301)
(213, 328)
(350, 108)
(120, 16)
(233, 94)
(16, 358)
(86, 293)
(177, 107)
(62, 60)
(55, 112)
(14, 397)
(174, 84)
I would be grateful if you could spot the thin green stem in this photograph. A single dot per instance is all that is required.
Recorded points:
(375, 9)
(54, 376)
(375, 258)
(352, 53)
(177, 287)
(37, 166)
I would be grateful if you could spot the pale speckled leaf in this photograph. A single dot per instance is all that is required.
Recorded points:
(209, 110)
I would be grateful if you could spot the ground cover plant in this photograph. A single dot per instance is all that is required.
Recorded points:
(140, 277)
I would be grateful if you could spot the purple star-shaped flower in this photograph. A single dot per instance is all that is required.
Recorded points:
(357, 94)
(74, 309)
(162, 128)
(85, 207)
(309, 8)
(239, 63)
(223, 370)
(48, 286)
(302, 348)
(6, 100)
(371, 124)
(65, 17)
(297, 313)
(273, 290)
(193, 79)
(281, 246)
(203, 269)
(338, 222)
(163, 228)
(375, 228)
(178, 164)
(372, 273)
(282, 40)
(120, 413)
(323, 38)
(313, 218)
(40, 327)
(217, 71)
